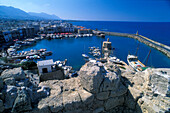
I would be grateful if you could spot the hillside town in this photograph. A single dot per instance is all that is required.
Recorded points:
(10, 30)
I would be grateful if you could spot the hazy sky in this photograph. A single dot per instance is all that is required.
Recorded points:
(109, 10)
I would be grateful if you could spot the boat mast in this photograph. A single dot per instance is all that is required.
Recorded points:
(137, 50)
(148, 57)
(101, 48)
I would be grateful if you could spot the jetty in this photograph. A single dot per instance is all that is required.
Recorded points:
(149, 42)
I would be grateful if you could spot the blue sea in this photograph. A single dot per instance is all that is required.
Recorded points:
(72, 49)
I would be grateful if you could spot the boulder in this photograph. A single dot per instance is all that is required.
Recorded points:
(10, 96)
(22, 102)
(16, 73)
(91, 77)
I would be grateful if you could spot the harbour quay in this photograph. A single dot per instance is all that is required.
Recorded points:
(151, 43)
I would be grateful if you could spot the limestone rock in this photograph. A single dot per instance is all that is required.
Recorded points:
(99, 110)
(16, 73)
(111, 82)
(86, 97)
(1, 83)
(135, 93)
(10, 81)
(91, 77)
(10, 96)
(22, 102)
(71, 100)
(102, 95)
(119, 91)
(130, 102)
(43, 108)
(56, 104)
(113, 102)
(160, 82)
(1, 106)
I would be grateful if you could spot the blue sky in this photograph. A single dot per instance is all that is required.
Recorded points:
(108, 10)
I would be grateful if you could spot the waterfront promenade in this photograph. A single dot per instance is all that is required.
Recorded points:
(158, 46)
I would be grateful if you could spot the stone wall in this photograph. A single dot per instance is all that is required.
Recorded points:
(56, 75)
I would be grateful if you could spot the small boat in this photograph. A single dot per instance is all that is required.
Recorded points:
(96, 54)
(85, 56)
(47, 53)
(115, 60)
(90, 53)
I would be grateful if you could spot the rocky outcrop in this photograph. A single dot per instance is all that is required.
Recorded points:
(22, 102)
(95, 90)
(19, 93)
(16, 73)
(100, 87)
(148, 90)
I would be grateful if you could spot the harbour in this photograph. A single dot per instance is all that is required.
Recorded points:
(74, 48)
(84, 56)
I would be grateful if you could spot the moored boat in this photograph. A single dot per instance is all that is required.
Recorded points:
(85, 56)
(135, 63)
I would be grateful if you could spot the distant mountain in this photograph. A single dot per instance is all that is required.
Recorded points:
(8, 12)
(13, 13)
(44, 15)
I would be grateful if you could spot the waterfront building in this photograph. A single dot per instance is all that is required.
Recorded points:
(2, 40)
(45, 66)
(36, 28)
(7, 35)
(15, 33)
(84, 31)
(30, 32)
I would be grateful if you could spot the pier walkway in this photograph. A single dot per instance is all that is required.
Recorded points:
(158, 46)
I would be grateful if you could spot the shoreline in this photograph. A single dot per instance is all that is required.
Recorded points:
(151, 43)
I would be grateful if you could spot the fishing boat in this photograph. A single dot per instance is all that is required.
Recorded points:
(135, 63)
(85, 56)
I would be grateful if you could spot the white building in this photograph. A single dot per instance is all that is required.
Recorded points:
(45, 66)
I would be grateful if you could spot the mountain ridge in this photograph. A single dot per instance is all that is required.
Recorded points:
(9, 12)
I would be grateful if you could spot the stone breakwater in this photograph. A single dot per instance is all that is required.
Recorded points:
(99, 88)
(158, 46)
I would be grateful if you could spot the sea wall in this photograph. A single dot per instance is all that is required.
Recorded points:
(156, 45)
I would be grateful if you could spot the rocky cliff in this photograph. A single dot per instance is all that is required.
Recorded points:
(98, 88)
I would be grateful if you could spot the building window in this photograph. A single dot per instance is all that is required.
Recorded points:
(44, 70)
